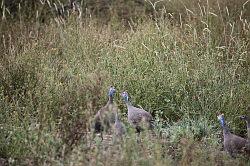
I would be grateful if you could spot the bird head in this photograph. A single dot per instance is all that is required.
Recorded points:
(221, 119)
(244, 117)
(125, 96)
(111, 91)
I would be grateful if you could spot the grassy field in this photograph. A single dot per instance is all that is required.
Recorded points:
(185, 64)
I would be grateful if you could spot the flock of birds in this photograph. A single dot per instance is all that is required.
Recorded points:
(107, 119)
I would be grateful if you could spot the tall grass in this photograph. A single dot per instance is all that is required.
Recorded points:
(54, 77)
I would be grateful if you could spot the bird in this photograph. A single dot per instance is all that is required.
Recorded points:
(232, 143)
(105, 117)
(247, 119)
(137, 117)
(119, 127)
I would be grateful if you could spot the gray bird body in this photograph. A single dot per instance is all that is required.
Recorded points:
(105, 117)
(137, 116)
(247, 119)
(232, 143)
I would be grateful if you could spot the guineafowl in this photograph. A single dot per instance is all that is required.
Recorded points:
(105, 117)
(137, 116)
(119, 127)
(232, 143)
(247, 119)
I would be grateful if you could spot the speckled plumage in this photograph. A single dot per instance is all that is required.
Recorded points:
(247, 119)
(105, 117)
(232, 143)
(137, 117)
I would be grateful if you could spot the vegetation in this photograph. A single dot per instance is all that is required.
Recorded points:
(182, 61)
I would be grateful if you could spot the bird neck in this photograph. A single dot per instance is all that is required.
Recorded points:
(226, 130)
(111, 99)
(128, 103)
(248, 129)
(248, 124)
(248, 133)
(224, 127)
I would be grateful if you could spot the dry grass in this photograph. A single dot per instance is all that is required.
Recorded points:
(184, 65)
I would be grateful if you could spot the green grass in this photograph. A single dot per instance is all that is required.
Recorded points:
(54, 77)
